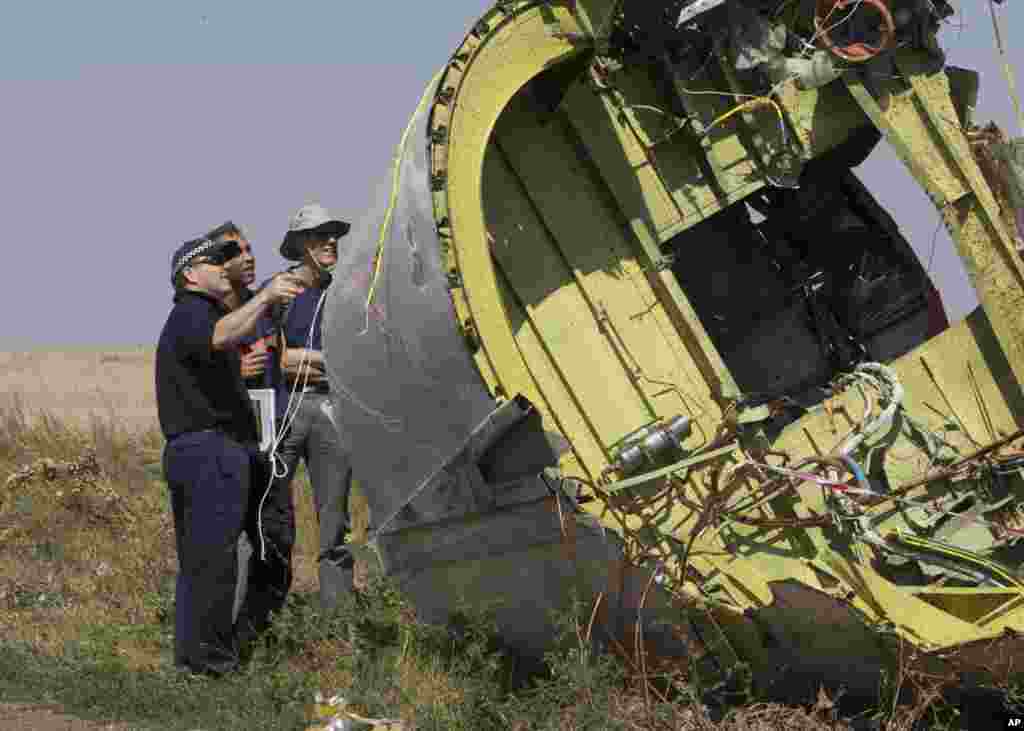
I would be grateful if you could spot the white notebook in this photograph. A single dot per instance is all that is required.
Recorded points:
(263, 404)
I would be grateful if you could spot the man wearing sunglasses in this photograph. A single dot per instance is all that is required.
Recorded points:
(312, 242)
(264, 553)
(256, 349)
(208, 422)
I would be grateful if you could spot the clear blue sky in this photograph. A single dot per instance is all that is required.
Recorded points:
(129, 126)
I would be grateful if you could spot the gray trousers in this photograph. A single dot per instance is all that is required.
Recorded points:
(314, 438)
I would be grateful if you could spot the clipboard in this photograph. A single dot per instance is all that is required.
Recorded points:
(262, 400)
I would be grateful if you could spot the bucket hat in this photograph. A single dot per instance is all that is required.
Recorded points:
(311, 217)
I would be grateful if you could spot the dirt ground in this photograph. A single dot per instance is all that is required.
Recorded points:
(22, 717)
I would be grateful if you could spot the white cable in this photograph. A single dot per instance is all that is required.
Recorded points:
(894, 396)
(286, 422)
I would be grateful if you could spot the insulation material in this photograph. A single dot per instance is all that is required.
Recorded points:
(1011, 155)
(1002, 163)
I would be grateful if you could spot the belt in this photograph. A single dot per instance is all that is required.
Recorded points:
(186, 433)
(243, 444)
(312, 388)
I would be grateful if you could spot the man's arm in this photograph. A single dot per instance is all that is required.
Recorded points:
(234, 326)
(294, 356)
(314, 363)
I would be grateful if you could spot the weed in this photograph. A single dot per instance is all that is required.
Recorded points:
(87, 571)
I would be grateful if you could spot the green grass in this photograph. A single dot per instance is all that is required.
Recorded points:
(86, 613)
(91, 681)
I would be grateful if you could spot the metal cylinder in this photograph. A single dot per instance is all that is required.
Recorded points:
(654, 445)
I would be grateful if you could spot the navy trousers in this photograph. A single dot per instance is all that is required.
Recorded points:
(215, 485)
(271, 534)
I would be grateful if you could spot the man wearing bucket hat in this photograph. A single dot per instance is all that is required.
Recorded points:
(210, 430)
(312, 240)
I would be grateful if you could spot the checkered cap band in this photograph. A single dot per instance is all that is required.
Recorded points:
(184, 259)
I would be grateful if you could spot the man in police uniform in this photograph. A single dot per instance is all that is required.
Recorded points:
(211, 432)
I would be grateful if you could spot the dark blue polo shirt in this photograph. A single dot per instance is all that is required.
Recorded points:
(198, 387)
(300, 318)
(295, 319)
(296, 324)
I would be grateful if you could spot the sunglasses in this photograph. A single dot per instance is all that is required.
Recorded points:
(221, 256)
(217, 259)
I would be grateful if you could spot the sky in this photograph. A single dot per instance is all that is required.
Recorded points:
(130, 126)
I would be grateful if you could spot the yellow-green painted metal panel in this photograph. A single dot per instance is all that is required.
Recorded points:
(644, 201)
(893, 108)
(707, 99)
(625, 167)
(575, 209)
(558, 310)
(571, 271)
(672, 157)
(558, 406)
(820, 118)
(516, 49)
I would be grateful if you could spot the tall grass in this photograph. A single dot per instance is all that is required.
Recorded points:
(87, 570)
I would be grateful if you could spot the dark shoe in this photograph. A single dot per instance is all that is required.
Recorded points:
(209, 671)
(245, 639)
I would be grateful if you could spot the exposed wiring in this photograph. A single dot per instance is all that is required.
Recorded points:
(893, 395)
(850, 502)
(680, 122)
(758, 101)
(956, 554)
(855, 52)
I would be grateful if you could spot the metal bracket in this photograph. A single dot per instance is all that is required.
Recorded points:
(445, 95)
(663, 262)
(470, 334)
(481, 29)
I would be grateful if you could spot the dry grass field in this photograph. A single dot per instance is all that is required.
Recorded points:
(79, 384)
(87, 571)
(92, 388)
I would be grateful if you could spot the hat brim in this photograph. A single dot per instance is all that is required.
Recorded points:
(290, 248)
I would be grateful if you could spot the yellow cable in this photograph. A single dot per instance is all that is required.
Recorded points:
(755, 102)
(396, 180)
(957, 553)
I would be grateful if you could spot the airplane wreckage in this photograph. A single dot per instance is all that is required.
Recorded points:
(624, 325)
